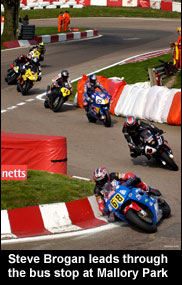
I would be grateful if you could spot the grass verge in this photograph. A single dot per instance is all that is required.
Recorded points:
(43, 188)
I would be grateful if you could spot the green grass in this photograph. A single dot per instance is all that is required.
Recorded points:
(43, 188)
(101, 12)
(50, 31)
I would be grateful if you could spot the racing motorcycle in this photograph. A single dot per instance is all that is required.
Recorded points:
(99, 108)
(13, 73)
(56, 98)
(27, 80)
(135, 206)
(157, 147)
(35, 52)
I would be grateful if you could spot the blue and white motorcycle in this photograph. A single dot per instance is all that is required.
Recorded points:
(99, 108)
(135, 206)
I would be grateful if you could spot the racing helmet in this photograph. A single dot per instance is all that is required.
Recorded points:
(93, 79)
(131, 123)
(179, 29)
(101, 176)
(64, 74)
(41, 46)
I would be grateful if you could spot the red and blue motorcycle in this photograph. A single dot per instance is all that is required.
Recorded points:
(99, 108)
(136, 206)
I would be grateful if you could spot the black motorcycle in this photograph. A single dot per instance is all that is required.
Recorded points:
(56, 97)
(157, 147)
(13, 73)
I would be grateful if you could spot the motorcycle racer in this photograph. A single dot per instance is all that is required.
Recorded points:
(101, 177)
(21, 60)
(34, 62)
(62, 79)
(89, 89)
(131, 129)
(40, 48)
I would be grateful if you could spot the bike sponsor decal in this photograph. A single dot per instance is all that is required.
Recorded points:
(116, 199)
(13, 172)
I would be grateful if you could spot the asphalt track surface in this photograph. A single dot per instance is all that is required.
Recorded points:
(92, 145)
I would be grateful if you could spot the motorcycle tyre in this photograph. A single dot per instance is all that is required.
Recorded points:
(166, 210)
(46, 104)
(107, 120)
(169, 161)
(18, 88)
(59, 105)
(26, 88)
(134, 219)
(10, 79)
(91, 119)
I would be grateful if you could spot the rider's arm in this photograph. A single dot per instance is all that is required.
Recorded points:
(100, 200)
(70, 86)
(98, 85)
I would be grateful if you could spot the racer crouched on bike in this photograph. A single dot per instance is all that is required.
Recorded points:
(61, 80)
(32, 62)
(101, 177)
(89, 89)
(21, 61)
(132, 129)
(40, 48)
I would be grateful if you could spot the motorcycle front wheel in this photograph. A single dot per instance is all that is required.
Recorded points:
(169, 161)
(136, 219)
(25, 87)
(107, 119)
(57, 104)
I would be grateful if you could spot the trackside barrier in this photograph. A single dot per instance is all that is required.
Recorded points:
(51, 218)
(52, 38)
(52, 4)
(156, 103)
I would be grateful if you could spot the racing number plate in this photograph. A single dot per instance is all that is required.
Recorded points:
(117, 198)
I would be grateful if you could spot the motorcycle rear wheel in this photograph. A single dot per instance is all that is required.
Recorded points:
(91, 119)
(169, 161)
(134, 218)
(107, 119)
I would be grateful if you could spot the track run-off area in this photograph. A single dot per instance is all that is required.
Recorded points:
(92, 145)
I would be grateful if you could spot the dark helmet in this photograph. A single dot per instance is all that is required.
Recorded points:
(93, 79)
(101, 176)
(64, 74)
(131, 123)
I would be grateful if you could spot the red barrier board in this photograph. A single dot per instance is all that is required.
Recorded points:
(81, 214)
(114, 3)
(27, 222)
(166, 5)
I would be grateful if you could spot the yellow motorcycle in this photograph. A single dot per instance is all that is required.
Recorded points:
(39, 52)
(56, 98)
(27, 80)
